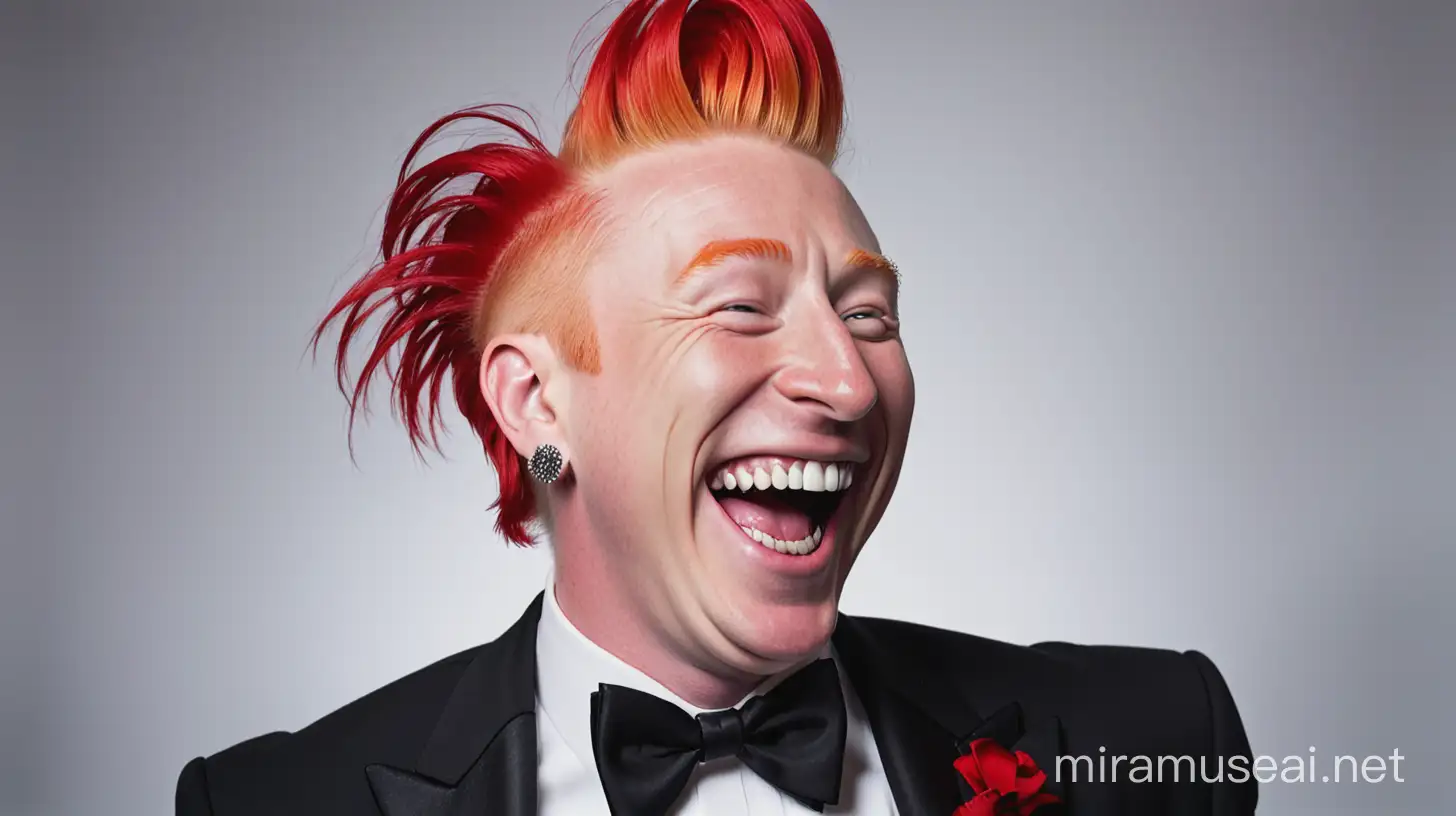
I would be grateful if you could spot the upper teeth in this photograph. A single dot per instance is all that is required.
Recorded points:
(815, 477)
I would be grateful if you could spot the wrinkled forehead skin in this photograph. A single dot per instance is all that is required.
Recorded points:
(664, 204)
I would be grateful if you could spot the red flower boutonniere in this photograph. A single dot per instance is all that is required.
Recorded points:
(1005, 784)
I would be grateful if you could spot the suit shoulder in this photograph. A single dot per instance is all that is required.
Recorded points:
(1049, 664)
(946, 651)
(319, 768)
(1159, 697)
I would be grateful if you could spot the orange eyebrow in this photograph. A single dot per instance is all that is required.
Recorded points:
(865, 259)
(715, 251)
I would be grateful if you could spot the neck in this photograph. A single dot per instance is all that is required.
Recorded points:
(604, 613)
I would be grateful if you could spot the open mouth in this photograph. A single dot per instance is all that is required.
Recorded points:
(783, 504)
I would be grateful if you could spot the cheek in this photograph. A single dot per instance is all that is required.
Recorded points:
(601, 427)
(890, 369)
(704, 374)
(657, 397)
(720, 364)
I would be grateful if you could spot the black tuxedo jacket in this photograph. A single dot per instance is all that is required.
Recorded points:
(459, 737)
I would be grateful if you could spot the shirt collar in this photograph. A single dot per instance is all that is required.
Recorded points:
(570, 667)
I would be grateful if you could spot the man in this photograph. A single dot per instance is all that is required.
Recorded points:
(679, 343)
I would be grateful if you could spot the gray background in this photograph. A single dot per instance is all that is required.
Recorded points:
(1179, 296)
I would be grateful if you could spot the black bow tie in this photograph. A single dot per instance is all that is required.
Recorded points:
(793, 737)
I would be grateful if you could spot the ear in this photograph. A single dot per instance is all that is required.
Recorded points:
(515, 372)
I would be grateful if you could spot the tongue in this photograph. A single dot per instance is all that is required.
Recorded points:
(768, 515)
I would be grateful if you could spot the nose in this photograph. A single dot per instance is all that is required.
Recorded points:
(823, 368)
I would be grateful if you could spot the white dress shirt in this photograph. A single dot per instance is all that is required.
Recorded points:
(569, 667)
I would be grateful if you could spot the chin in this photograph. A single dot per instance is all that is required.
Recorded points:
(773, 635)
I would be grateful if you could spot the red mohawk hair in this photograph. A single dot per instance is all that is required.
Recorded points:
(466, 236)
(674, 73)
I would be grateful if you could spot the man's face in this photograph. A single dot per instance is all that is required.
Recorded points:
(747, 426)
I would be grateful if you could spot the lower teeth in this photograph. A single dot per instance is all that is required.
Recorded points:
(803, 546)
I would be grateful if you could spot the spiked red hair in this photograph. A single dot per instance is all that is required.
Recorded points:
(461, 265)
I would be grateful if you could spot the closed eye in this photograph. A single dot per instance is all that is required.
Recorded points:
(870, 324)
(744, 318)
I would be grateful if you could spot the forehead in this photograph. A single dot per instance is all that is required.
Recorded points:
(669, 202)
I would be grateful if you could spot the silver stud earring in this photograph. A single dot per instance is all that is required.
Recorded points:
(546, 463)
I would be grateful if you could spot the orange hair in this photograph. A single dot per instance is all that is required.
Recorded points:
(508, 253)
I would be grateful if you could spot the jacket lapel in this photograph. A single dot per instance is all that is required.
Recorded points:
(481, 757)
(1040, 739)
(923, 718)
(917, 752)
(914, 723)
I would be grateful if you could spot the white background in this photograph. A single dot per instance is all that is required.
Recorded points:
(1178, 294)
